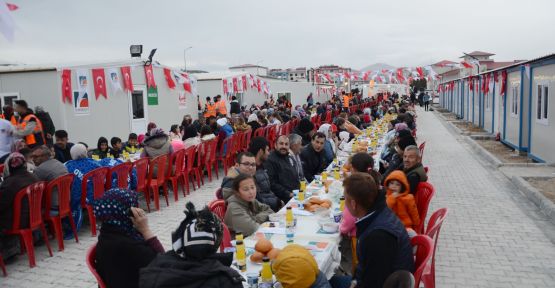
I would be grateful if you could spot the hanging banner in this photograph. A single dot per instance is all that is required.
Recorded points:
(244, 82)
(169, 79)
(152, 96)
(99, 83)
(66, 86)
(81, 103)
(127, 81)
(113, 74)
(182, 100)
(187, 83)
(149, 76)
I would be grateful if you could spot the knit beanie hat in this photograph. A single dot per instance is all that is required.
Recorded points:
(199, 235)
(305, 125)
(295, 267)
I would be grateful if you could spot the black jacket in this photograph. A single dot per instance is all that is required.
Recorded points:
(313, 162)
(63, 155)
(12, 184)
(416, 175)
(264, 192)
(283, 176)
(170, 270)
(383, 246)
(305, 136)
(234, 108)
(120, 257)
(47, 124)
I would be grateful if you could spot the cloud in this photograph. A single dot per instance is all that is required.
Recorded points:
(284, 33)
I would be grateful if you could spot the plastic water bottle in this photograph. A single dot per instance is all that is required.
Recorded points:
(289, 225)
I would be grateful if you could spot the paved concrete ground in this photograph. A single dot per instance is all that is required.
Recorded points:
(493, 235)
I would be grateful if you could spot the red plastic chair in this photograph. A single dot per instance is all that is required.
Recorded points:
(122, 172)
(424, 194)
(175, 174)
(424, 250)
(211, 161)
(432, 231)
(62, 186)
(328, 117)
(272, 136)
(246, 140)
(218, 207)
(91, 263)
(226, 241)
(141, 167)
(153, 183)
(33, 193)
(3, 266)
(190, 169)
(421, 147)
(260, 132)
(223, 157)
(98, 177)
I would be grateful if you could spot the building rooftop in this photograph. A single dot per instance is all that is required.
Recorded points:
(443, 63)
(247, 66)
(477, 53)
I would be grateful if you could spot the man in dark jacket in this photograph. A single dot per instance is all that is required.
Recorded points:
(246, 164)
(282, 170)
(305, 130)
(312, 156)
(47, 124)
(234, 107)
(62, 147)
(412, 166)
(383, 245)
(193, 262)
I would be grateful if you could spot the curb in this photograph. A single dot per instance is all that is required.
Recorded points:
(545, 205)
(481, 151)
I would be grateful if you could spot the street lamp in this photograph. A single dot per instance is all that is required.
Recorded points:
(185, 56)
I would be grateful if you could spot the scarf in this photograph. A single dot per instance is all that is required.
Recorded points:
(113, 208)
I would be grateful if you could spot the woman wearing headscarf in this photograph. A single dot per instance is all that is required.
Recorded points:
(253, 122)
(342, 147)
(330, 145)
(157, 144)
(79, 166)
(18, 179)
(193, 260)
(125, 243)
(190, 137)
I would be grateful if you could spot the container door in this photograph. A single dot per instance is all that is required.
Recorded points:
(137, 109)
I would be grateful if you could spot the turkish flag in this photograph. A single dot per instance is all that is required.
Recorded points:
(503, 82)
(365, 76)
(224, 84)
(258, 85)
(420, 72)
(471, 83)
(12, 7)
(127, 81)
(244, 79)
(187, 83)
(235, 87)
(400, 76)
(99, 83)
(66, 85)
(169, 78)
(149, 75)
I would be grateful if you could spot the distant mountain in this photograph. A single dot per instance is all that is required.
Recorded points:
(376, 67)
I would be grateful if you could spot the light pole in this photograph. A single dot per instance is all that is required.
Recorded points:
(185, 56)
(257, 66)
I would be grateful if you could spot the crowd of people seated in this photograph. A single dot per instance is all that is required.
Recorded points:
(260, 183)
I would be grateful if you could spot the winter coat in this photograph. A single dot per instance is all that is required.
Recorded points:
(305, 136)
(63, 155)
(245, 217)
(156, 147)
(120, 257)
(170, 270)
(282, 174)
(235, 107)
(11, 185)
(264, 193)
(416, 175)
(79, 168)
(383, 246)
(403, 205)
(313, 162)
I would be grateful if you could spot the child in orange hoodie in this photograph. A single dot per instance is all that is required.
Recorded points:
(400, 200)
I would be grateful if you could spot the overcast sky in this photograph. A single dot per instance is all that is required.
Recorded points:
(279, 34)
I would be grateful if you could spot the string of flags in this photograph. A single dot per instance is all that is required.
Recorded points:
(243, 83)
(403, 75)
(188, 82)
(479, 83)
